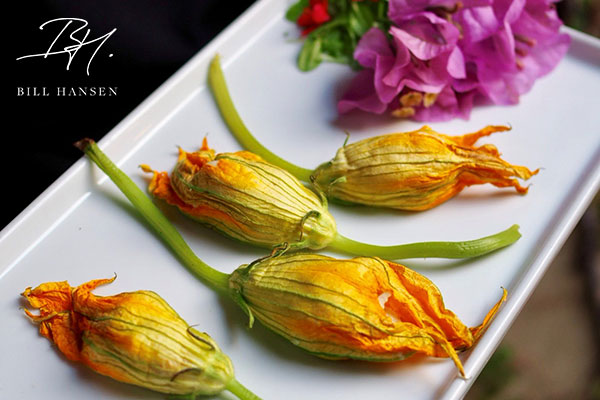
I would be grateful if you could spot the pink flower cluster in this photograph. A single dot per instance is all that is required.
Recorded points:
(440, 57)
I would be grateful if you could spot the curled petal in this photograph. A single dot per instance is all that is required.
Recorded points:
(456, 64)
(362, 95)
(508, 11)
(54, 301)
(477, 23)
(371, 46)
(373, 51)
(426, 36)
(402, 10)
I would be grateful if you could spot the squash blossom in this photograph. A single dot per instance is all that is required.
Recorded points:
(415, 170)
(251, 200)
(364, 308)
(406, 171)
(246, 198)
(133, 337)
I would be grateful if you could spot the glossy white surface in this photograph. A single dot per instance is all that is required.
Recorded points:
(82, 228)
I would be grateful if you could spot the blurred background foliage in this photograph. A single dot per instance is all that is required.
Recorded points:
(583, 15)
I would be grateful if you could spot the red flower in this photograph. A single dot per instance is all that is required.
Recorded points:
(313, 16)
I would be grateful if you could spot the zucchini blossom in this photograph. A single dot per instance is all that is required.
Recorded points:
(411, 171)
(133, 337)
(415, 170)
(364, 308)
(251, 200)
(246, 198)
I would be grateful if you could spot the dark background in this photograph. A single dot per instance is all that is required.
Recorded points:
(153, 39)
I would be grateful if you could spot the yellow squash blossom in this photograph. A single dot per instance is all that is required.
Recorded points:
(364, 308)
(133, 337)
(246, 198)
(415, 170)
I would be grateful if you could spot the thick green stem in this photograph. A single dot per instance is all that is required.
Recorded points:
(241, 391)
(214, 279)
(216, 79)
(466, 249)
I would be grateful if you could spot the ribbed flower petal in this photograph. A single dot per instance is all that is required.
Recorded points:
(133, 337)
(364, 308)
(246, 198)
(416, 170)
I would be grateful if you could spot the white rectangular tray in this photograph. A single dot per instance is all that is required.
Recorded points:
(82, 228)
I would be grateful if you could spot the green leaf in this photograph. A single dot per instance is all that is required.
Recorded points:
(310, 55)
(336, 46)
(361, 18)
(336, 40)
(295, 10)
(337, 59)
(333, 43)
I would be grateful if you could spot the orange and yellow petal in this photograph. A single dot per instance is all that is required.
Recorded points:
(363, 308)
(246, 198)
(416, 170)
(133, 337)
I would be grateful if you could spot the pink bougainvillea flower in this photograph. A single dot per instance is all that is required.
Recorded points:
(525, 46)
(441, 57)
(402, 10)
(426, 35)
(314, 15)
(390, 69)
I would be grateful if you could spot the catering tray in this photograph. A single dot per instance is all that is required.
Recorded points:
(82, 228)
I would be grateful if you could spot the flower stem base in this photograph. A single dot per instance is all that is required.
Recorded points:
(465, 249)
(241, 391)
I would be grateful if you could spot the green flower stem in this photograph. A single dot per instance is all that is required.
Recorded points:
(466, 249)
(241, 391)
(216, 280)
(219, 89)
(339, 21)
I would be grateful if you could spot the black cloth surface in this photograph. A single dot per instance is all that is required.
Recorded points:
(153, 38)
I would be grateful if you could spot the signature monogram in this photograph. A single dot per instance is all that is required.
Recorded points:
(76, 30)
